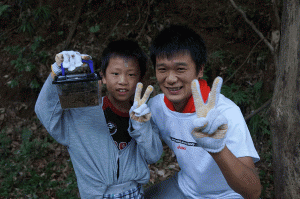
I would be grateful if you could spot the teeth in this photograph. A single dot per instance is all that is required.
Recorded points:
(174, 89)
(122, 90)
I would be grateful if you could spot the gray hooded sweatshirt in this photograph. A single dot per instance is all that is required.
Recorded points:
(91, 147)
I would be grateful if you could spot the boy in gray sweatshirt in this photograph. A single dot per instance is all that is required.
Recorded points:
(109, 146)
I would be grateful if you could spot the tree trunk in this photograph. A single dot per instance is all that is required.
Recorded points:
(285, 107)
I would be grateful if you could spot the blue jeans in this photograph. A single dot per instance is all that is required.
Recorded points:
(168, 189)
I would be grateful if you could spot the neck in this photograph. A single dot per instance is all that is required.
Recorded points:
(179, 106)
(123, 106)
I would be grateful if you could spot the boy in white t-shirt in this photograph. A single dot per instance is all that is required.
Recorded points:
(218, 165)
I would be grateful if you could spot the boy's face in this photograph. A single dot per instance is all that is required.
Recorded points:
(121, 78)
(175, 75)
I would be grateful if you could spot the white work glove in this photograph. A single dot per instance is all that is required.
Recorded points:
(210, 126)
(140, 112)
(70, 60)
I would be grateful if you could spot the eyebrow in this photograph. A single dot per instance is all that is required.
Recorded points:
(158, 65)
(181, 64)
(176, 64)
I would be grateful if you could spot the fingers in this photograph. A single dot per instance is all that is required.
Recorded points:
(200, 122)
(85, 57)
(217, 121)
(219, 134)
(138, 91)
(146, 95)
(215, 92)
(59, 58)
(142, 110)
(198, 101)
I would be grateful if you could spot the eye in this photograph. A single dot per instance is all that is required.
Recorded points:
(132, 75)
(181, 69)
(161, 70)
(115, 73)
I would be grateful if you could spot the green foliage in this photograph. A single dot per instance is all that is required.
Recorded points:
(60, 32)
(4, 9)
(259, 124)
(218, 56)
(25, 23)
(222, 61)
(4, 144)
(20, 178)
(30, 15)
(250, 96)
(94, 29)
(13, 83)
(42, 13)
(235, 93)
(70, 191)
(161, 158)
(27, 58)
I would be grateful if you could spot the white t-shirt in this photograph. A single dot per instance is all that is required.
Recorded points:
(200, 176)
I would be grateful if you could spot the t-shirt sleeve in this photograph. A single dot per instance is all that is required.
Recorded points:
(238, 139)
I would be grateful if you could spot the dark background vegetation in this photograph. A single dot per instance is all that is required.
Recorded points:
(33, 165)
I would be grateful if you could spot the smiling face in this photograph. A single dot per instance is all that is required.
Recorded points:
(174, 76)
(121, 77)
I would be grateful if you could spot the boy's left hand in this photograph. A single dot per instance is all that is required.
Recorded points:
(210, 125)
(140, 112)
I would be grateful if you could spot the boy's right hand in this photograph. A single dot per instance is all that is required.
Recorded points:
(210, 125)
(140, 112)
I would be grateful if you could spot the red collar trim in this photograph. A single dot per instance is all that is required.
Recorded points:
(107, 103)
(190, 107)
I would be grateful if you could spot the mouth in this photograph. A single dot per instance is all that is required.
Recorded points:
(122, 91)
(174, 90)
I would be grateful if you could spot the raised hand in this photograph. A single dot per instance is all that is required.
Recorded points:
(71, 60)
(140, 111)
(210, 125)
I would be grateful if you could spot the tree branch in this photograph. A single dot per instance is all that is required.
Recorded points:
(276, 13)
(242, 63)
(148, 13)
(74, 26)
(139, 9)
(111, 32)
(253, 26)
(266, 104)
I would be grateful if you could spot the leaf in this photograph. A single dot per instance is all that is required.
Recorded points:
(94, 29)
(4, 8)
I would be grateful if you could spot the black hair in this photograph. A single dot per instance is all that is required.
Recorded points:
(127, 49)
(178, 39)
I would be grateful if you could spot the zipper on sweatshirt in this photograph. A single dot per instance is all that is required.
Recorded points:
(118, 169)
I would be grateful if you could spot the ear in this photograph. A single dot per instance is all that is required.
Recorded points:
(103, 78)
(201, 72)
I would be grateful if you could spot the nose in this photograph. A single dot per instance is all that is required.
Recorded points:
(171, 78)
(123, 79)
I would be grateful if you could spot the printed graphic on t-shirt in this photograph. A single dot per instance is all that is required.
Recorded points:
(117, 123)
(112, 128)
(183, 142)
(121, 145)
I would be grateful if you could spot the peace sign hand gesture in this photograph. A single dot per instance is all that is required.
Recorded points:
(210, 125)
(140, 112)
